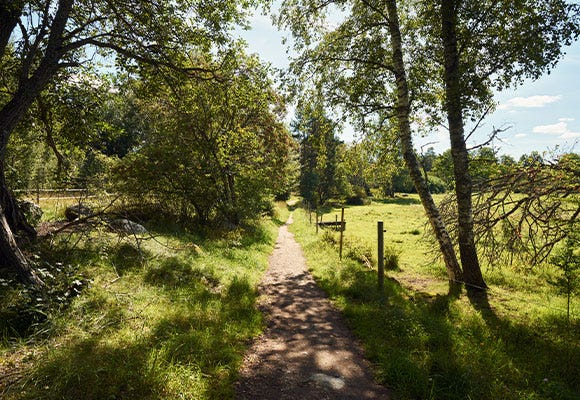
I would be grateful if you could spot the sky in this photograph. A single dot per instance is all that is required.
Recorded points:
(540, 115)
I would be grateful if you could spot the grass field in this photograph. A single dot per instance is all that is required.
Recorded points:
(165, 317)
(170, 316)
(514, 343)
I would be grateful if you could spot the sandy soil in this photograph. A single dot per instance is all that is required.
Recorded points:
(307, 352)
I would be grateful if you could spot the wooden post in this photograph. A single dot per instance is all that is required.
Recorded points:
(317, 221)
(341, 232)
(381, 254)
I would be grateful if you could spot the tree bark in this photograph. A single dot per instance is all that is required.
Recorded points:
(10, 11)
(46, 119)
(403, 110)
(463, 184)
(13, 257)
(30, 86)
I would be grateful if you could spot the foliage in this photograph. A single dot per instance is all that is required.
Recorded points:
(391, 254)
(40, 39)
(356, 161)
(217, 150)
(71, 124)
(567, 259)
(386, 163)
(483, 164)
(320, 177)
(524, 210)
(427, 62)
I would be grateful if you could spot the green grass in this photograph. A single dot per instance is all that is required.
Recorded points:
(170, 319)
(514, 343)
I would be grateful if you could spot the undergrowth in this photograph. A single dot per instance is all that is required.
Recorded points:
(427, 345)
(167, 316)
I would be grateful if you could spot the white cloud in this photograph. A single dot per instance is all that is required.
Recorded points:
(566, 119)
(520, 135)
(570, 135)
(560, 129)
(529, 102)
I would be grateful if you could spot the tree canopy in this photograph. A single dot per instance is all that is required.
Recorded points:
(436, 62)
(216, 150)
(41, 39)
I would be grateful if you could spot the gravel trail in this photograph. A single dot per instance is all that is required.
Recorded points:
(306, 352)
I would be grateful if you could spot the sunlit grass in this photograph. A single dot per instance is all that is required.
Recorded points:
(168, 318)
(513, 344)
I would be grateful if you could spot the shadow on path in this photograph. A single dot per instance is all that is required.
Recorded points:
(307, 352)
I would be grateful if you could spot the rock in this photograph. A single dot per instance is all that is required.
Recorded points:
(32, 211)
(77, 211)
(126, 226)
(332, 382)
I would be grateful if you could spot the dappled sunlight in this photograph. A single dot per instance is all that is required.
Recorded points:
(150, 325)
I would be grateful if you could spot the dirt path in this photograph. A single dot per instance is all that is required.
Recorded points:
(306, 352)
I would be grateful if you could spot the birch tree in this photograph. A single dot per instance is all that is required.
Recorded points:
(429, 63)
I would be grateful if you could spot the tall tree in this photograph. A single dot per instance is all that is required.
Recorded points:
(360, 65)
(216, 150)
(485, 47)
(319, 146)
(403, 112)
(454, 54)
(47, 36)
(459, 154)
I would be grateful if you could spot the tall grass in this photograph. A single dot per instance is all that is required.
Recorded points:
(169, 318)
(514, 343)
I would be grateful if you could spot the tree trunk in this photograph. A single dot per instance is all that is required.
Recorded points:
(10, 11)
(405, 136)
(12, 213)
(463, 184)
(13, 257)
(30, 86)
(12, 220)
(10, 115)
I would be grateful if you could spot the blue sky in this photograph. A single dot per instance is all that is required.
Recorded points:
(541, 115)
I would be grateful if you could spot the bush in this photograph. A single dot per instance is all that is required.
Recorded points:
(436, 184)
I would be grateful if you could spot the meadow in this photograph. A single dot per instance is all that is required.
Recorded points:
(164, 315)
(170, 314)
(515, 342)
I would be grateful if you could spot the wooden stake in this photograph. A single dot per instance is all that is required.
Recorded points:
(341, 232)
(317, 221)
(381, 254)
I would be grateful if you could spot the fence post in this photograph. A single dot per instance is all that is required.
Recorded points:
(381, 255)
(341, 232)
(317, 221)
